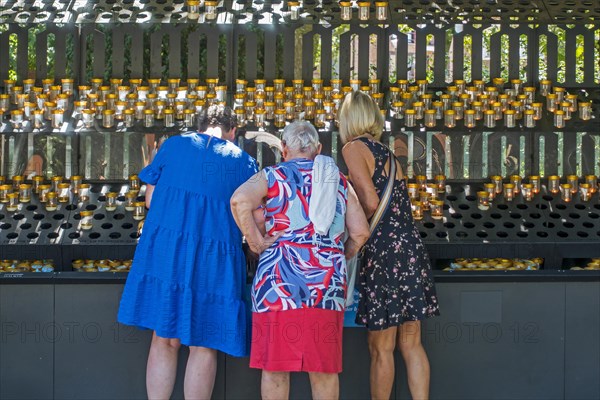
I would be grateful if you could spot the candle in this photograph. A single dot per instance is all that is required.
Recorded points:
(483, 200)
(554, 184)
(437, 209)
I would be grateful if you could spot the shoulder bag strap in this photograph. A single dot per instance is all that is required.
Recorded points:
(387, 195)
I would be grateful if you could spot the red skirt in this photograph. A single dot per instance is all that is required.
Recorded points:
(308, 340)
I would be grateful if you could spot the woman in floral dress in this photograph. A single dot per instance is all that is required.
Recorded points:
(300, 284)
(395, 282)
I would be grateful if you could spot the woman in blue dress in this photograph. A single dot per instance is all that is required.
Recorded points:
(188, 274)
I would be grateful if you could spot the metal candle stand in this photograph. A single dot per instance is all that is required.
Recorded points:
(114, 234)
(31, 232)
(545, 227)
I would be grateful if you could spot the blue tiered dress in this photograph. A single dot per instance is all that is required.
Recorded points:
(188, 275)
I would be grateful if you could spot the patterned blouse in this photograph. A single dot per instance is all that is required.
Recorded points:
(302, 269)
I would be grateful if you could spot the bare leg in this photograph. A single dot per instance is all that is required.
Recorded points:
(415, 358)
(162, 367)
(275, 385)
(324, 386)
(381, 346)
(200, 373)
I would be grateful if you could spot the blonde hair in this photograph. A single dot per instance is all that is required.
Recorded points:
(358, 115)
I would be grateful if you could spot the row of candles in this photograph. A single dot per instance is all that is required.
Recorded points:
(409, 103)
(511, 189)
(209, 9)
(61, 191)
(104, 265)
(424, 195)
(490, 104)
(26, 266)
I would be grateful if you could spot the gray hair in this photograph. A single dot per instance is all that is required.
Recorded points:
(302, 137)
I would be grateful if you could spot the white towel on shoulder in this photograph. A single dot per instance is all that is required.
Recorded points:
(325, 181)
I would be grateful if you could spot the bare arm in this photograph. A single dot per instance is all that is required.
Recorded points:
(246, 199)
(361, 165)
(149, 192)
(356, 224)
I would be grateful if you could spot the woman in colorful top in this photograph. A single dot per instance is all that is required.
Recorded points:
(187, 280)
(395, 283)
(299, 288)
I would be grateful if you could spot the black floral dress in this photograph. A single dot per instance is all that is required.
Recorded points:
(395, 282)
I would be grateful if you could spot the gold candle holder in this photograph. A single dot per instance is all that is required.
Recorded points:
(421, 181)
(17, 180)
(585, 111)
(509, 191)
(13, 202)
(527, 191)
(459, 110)
(566, 193)
(398, 109)
(210, 9)
(497, 181)
(490, 188)
(449, 118)
(554, 184)
(489, 118)
(51, 201)
(440, 181)
(4, 191)
(510, 118)
(529, 117)
(87, 219)
(64, 192)
(537, 110)
(585, 192)
(139, 212)
(437, 209)
(545, 87)
(565, 106)
(424, 197)
(432, 189)
(572, 98)
(592, 180)
(516, 181)
(535, 182)
(469, 118)
(111, 201)
(417, 210)
(25, 193)
(37, 181)
(551, 102)
(430, 120)
(56, 180)
(483, 200)
(279, 118)
(345, 10)
(130, 199)
(413, 191)
(76, 180)
(84, 192)
(149, 118)
(42, 193)
(573, 180)
(410, 118)
(560, 94)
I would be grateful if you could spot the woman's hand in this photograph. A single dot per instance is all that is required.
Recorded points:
(244, 203)
(261, 243)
